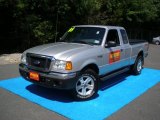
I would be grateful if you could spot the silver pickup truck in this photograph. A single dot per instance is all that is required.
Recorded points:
(85, 55)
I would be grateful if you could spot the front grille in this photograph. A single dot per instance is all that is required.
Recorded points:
(38, 62)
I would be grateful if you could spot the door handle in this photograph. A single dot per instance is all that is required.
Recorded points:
(100, 56)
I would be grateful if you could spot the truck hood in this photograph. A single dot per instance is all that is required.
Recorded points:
(59, 50)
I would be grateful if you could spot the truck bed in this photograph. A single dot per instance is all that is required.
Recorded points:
(136, 41)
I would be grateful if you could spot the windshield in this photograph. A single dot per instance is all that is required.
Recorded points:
(84, 35)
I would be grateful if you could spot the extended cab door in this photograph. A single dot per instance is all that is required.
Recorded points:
(113, 55)
(126, 47)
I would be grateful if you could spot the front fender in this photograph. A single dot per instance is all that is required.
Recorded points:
(88, 62)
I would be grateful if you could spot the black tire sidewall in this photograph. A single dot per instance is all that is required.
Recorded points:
(94, 76)
(135, 71)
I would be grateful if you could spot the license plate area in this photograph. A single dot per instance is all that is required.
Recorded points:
(34, 76)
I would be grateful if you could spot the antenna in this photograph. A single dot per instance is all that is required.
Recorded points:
(57, 20)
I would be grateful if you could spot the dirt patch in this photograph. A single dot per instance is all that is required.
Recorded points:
(10, 58)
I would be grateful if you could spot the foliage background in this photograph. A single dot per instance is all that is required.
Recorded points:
(26, 23)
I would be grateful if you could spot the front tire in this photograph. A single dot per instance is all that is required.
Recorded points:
(138, 65)
(86, 86)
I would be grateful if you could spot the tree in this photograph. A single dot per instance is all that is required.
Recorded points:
(117, 11)
(26, 23)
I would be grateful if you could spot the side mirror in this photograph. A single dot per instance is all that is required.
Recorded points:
(111, 44)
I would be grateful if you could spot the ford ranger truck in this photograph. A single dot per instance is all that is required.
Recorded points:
(85, 55)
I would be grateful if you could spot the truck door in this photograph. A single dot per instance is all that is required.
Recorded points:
(114, 55)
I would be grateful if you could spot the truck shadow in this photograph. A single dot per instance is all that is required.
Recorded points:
(64, 95)
(113, 81)
(51, 94)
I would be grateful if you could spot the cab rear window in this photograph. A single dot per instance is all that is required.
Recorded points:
(124, 36)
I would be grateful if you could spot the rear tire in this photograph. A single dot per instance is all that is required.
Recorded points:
(86, 86)
(138, 66)
(157, 42)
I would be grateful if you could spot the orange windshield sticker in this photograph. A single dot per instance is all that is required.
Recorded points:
(114, 56)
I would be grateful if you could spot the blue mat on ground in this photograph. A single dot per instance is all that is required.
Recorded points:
(113, 95)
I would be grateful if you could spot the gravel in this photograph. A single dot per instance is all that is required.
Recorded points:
(10, 58)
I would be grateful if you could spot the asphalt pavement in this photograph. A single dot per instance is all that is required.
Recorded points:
(145, 107)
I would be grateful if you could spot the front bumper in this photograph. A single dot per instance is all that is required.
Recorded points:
(51, 79)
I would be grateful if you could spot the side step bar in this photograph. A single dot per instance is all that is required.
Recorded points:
(113, 74)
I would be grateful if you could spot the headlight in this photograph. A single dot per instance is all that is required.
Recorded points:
(23, 58)
(62, 65)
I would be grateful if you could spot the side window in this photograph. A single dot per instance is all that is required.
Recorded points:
(113, 36)
(124, 36)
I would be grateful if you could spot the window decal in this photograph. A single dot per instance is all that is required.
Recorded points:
(71, 29)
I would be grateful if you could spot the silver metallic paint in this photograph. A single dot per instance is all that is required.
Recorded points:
(82, 54)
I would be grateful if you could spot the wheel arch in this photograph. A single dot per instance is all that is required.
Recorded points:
(141, 53)
(91, 66)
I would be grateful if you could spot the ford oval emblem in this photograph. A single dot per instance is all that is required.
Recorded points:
(37, 62)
